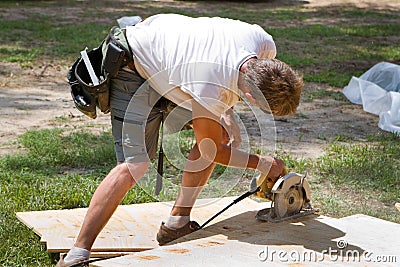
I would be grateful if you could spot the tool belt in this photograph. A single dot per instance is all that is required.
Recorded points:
(85, 94)
(107, 59)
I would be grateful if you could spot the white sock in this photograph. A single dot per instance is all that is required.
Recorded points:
(176, 222)
(77, 253)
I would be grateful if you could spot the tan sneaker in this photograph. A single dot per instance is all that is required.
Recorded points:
(75, 263)
(166, 235)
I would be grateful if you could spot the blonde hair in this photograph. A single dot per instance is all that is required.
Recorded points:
(279, 83)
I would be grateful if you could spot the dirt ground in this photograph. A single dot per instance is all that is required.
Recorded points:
(34, 98)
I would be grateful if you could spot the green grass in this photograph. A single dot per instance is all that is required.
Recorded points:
(371, 167)
(336, 53)
(36, 37)
(324, 53)
(57, 169)
(323, 93)
(23, 56)
(355, 178)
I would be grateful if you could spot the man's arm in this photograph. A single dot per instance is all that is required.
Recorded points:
(214, 148)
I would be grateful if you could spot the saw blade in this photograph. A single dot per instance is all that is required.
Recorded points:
(288, 203)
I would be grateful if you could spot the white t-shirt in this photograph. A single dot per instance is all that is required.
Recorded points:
(197, 58)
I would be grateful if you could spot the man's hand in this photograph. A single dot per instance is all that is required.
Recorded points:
(272, 167)
(232, 131)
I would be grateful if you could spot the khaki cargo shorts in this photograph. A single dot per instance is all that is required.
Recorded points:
(136, 115)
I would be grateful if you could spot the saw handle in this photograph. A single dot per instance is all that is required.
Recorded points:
(283, 173)
(271, 181)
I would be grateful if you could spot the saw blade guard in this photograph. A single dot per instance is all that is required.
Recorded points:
(283, 184)
(290, 199)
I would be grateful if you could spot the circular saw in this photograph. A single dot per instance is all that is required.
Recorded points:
(290, 196)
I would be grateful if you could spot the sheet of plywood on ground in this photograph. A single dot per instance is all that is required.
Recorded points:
(131, 228)
(311, 241)
(397, 205)
(377, 236)
(105, 254)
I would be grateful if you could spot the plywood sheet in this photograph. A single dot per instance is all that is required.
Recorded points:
(131, 228)
(397, 205)
(233, 239)
(313, 241)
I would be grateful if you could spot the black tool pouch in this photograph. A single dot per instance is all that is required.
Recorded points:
(117, 52)
(101, 91)
(107, 59)
(87, 96)
(114, 60)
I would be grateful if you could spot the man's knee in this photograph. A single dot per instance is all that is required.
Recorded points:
(134, 170)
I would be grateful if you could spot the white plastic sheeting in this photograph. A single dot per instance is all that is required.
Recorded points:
(378, 90)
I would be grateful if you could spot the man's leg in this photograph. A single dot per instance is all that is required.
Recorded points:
(106, 199)
(104, 202)
(121, 178)
(126, 89)
(195, 176)
(193, 180)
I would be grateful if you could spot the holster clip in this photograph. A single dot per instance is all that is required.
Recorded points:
(115, 59)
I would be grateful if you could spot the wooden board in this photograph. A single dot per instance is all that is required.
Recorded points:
(397, 205)
(241, 240)
(233, 239)
(131, 228)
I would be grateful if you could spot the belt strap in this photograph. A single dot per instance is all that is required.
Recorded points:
(160, 163)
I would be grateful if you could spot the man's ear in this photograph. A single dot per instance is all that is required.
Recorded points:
(250, 98)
